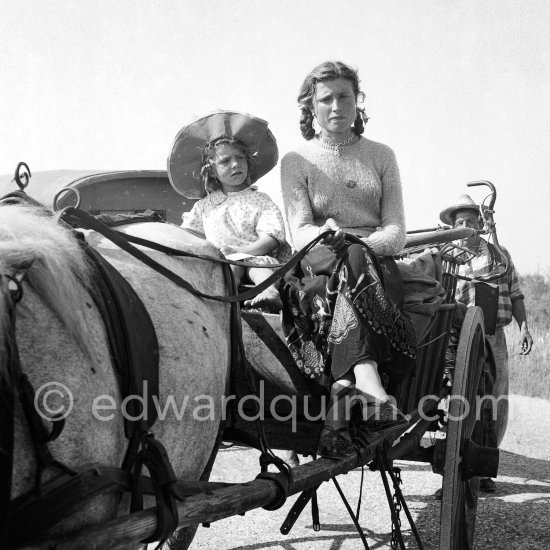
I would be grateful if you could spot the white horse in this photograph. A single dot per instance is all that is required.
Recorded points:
(62, 340)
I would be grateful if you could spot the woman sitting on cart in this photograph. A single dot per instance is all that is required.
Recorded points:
(340, 313)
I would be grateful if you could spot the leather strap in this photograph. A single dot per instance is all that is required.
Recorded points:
(7, 413)
(78, 218)
(62, 493)
(297, 508)
(56, 497)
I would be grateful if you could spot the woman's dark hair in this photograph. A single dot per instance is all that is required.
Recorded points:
(329, 70)
(207, 172)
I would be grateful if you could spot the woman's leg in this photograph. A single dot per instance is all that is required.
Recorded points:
(367, 381)
(270, 296)
(379, 409)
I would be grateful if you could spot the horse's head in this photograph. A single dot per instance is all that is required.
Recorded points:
(36, 248)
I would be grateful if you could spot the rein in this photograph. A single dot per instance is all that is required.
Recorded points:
(8, 359)
(16, 383)
(79, 219)
(49, 501)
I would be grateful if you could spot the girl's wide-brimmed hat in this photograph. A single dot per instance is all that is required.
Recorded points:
(464, 202)
(184, 161)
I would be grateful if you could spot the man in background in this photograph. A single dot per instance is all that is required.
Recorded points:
(485, 261)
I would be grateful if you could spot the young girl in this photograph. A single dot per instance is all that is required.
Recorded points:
(244, 223)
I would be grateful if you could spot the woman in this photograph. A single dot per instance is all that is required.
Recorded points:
(341, 323)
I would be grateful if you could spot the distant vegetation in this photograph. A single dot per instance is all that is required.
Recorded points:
(530, 375)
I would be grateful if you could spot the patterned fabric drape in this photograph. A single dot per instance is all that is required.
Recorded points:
(336, 313)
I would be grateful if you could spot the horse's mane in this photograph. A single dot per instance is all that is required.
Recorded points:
(34, 243)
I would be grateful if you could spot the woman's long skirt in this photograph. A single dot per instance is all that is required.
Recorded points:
(340, 311)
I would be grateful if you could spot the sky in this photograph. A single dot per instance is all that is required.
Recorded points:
(460, 89)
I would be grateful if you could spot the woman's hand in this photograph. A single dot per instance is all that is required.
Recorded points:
(335, 242)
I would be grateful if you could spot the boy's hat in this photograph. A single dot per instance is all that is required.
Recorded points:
(184, 161)
(464, 202)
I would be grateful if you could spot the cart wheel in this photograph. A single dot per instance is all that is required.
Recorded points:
(460, 481)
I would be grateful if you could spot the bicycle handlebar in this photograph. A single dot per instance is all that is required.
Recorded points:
(490, 186)
(490, 227)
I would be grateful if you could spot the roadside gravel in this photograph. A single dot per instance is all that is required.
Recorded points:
(516, 517)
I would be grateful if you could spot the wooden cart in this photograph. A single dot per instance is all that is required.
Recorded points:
(459, 456)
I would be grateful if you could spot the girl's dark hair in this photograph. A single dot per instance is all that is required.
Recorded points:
(329, 70)
(207, 171)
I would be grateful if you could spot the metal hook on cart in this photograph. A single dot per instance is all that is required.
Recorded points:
(22, 175)
(56, 204)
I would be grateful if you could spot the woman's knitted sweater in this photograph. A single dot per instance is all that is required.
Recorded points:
(360, 189)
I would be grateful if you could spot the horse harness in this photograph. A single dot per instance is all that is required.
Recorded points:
(136, 361)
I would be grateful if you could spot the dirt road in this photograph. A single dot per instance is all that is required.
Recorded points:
(514, 518)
